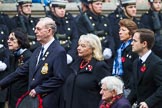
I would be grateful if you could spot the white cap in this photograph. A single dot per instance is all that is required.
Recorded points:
(128, 1)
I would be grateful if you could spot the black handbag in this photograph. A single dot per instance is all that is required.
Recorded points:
(26, 101)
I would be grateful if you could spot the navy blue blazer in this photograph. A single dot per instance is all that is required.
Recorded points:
(47, 78)
(148, 86)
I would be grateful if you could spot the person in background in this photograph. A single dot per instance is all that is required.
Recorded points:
(147, 72)
(25, 21)
(152, 19)
(18, 44)
(46, 69)
(82, 85)
(123, 61)
(67, 32)
(97, 24)
(112, 93)
(126, 9)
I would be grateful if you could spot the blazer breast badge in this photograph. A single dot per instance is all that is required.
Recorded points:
(45, 69)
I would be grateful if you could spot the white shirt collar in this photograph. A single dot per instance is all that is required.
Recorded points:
(47, 45)
(145, 56)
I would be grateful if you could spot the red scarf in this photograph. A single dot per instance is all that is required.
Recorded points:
(108, 104)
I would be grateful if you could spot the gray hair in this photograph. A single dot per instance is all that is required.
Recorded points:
(95, 43)
(113, 83)
(49, 23)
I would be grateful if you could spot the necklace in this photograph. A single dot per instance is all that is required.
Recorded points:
(83, 64)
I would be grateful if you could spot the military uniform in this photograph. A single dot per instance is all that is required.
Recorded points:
(4, 57)
(5, 20)
(27, 23)
(101, 28)
(154, 22)
(66, 33)
(4, 32)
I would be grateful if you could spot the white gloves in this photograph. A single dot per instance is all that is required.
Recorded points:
(69, 59)
(3, 66)
(107, 53)
(1, 45)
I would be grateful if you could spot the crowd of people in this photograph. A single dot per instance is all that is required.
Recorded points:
(87, 61)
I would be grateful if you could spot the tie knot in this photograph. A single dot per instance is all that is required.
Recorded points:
(139, 62)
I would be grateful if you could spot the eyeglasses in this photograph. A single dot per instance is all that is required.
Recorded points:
(12, 39)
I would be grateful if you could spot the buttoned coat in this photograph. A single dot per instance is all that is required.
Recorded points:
(82, 86)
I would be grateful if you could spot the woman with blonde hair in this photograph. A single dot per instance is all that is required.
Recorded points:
(82, 85)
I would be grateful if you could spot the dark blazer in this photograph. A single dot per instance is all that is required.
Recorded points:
(148, 86)
(47, 78)
(82, 86)
(121, 103)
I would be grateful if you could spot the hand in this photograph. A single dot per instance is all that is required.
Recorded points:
(107, 53)
(32, 93)
(143, 105)
(69, 59)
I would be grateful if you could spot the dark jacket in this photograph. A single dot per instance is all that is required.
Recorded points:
(121, 103)
(82, 86)
(47, 77)
(19, 87)
(148, 86)
(127, 63)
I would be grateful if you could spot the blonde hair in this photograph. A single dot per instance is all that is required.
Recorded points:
(95, 43)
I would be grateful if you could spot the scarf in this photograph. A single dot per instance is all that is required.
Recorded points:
(117, 65)
(109, 104)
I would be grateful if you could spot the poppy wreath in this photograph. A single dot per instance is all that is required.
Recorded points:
(143, 68)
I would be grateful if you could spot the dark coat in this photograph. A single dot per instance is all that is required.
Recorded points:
(47, 78)
(19, 87)
(149, 21)
(148, 86)
(67, 32)
(82, 86)
(127, 63)
(121, 103)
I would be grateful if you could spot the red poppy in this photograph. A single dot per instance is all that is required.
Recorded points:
(90, 67)
(143, 68)
(123, 59)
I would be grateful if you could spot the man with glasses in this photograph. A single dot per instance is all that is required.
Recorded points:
(24, 20)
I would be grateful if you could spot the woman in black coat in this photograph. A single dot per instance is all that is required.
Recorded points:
(82, 86)
(18, 45)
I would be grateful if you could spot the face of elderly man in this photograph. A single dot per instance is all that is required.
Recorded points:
(44, 32)
(107, 95)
